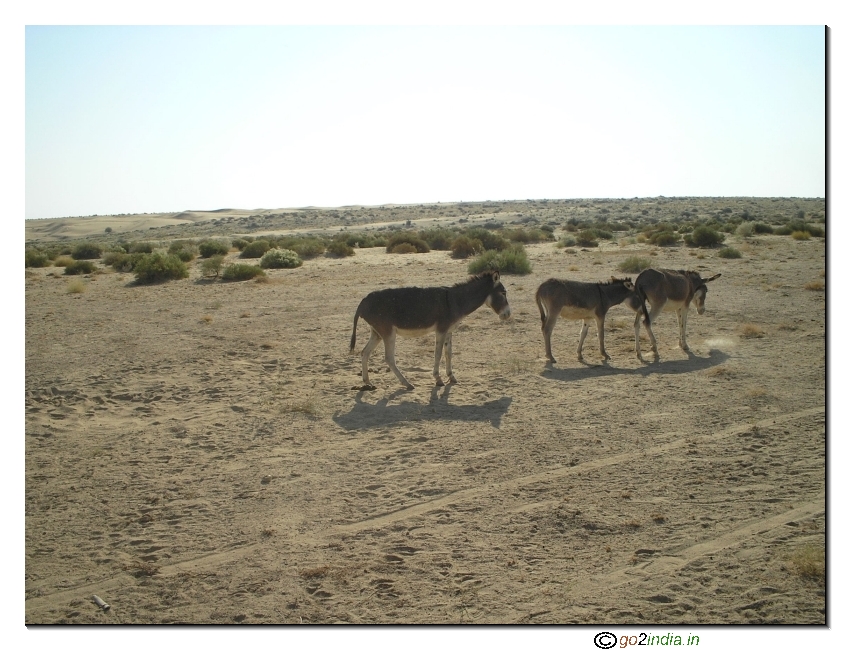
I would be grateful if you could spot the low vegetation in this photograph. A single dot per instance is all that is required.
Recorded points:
(87, 251)
(211, 247)
(281, 258)
(513, 260)
(80, 267)
(241, 272)
(634, 264)
(158, 267)
(729, 253)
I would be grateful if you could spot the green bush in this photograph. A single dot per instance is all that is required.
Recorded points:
(489, 240)
(511, 261)
(403, 248)
(255, 249)
(307, 247)
(80, 267)
(87, 251)
(122, 262)
(210, 247)
(241, 272)
(463, 247)
(729, 253)
(664, 238)
(438, 238)
(801, 235)
(282, 258)
(36, 259)
(62, 261)
(340, 249)
(586, 239)
(634, 264)
(703, 237)
(762, 228)
(141, 246)
(567, 241)
(185, 250)
(239, 244)
(212, 266)
(521, 235)
(158, 267)
(410, 238)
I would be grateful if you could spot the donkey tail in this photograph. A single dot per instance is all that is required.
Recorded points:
(354, 330)
(542, 307)
(642, 296)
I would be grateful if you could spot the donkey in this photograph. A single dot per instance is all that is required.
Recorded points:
(579, 301)
(414, 311)
(667, 290)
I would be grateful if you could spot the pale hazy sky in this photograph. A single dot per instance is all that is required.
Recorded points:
(147, 119)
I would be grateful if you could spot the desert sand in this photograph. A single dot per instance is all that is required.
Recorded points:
(195, 452)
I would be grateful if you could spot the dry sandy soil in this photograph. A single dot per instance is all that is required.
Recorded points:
(195, 452)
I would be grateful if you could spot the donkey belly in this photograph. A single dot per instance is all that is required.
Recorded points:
(415, 333)
(576, 313)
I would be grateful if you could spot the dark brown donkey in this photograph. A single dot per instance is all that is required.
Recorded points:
(579, 301)
(414, 311)
(667, 290)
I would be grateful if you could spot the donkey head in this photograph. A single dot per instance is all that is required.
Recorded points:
(497, 298)
(625, 281)
(700, 289)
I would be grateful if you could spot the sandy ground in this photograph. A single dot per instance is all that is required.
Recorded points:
(195, 452)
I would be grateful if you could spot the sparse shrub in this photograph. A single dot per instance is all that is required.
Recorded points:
(307, 247)
(729, 253)
(255, 249)
(86, 251)
(703, 237)
(79, 267)
(464, 247)
(158, 267)
(212, 266)
(340, 249)
(36, 259)
(814, 286)
(281, 258)
(488, 239)
(185, 250)
(762, 228)
(514, 261)
(665, 238)
(745, 230)
(403, 248)
(141, 246)
(409, 238)
(521, 235)
(438, 238)
(586, 239)
(211, 247)
(239, 244)
(122, 262)
(241, 272)
(801, 235)
(809, 562)
(567, 241)
(76, 286)
(634, 264)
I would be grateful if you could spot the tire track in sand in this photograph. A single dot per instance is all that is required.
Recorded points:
(666, 563)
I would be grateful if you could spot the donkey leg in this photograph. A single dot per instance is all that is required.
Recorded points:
(438, 353)
(364, 357)
(637, 335)
(548, 327)
(648, 325)
(581, 337)
(389, 354)
(600, 333)
(448, 346)
(683, 330)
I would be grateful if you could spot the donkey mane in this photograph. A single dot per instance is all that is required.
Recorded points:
(474, 278)
(614, 280)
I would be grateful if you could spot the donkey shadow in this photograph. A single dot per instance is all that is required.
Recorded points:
(692, 363)
(366, 415)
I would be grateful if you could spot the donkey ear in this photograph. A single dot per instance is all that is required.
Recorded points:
(495, 277)
(712, 278)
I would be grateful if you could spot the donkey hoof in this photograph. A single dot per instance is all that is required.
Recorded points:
(452, 379)
(363, 388)
(409, 386)
(439, 383)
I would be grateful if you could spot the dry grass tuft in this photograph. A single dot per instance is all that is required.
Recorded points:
(814, 286)
(141, 569)
(720, 371)
(756, 393)
(750, 330)
(312, 573)
(307, 406)
(206, 318)
(809, 562)
(76, 286)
